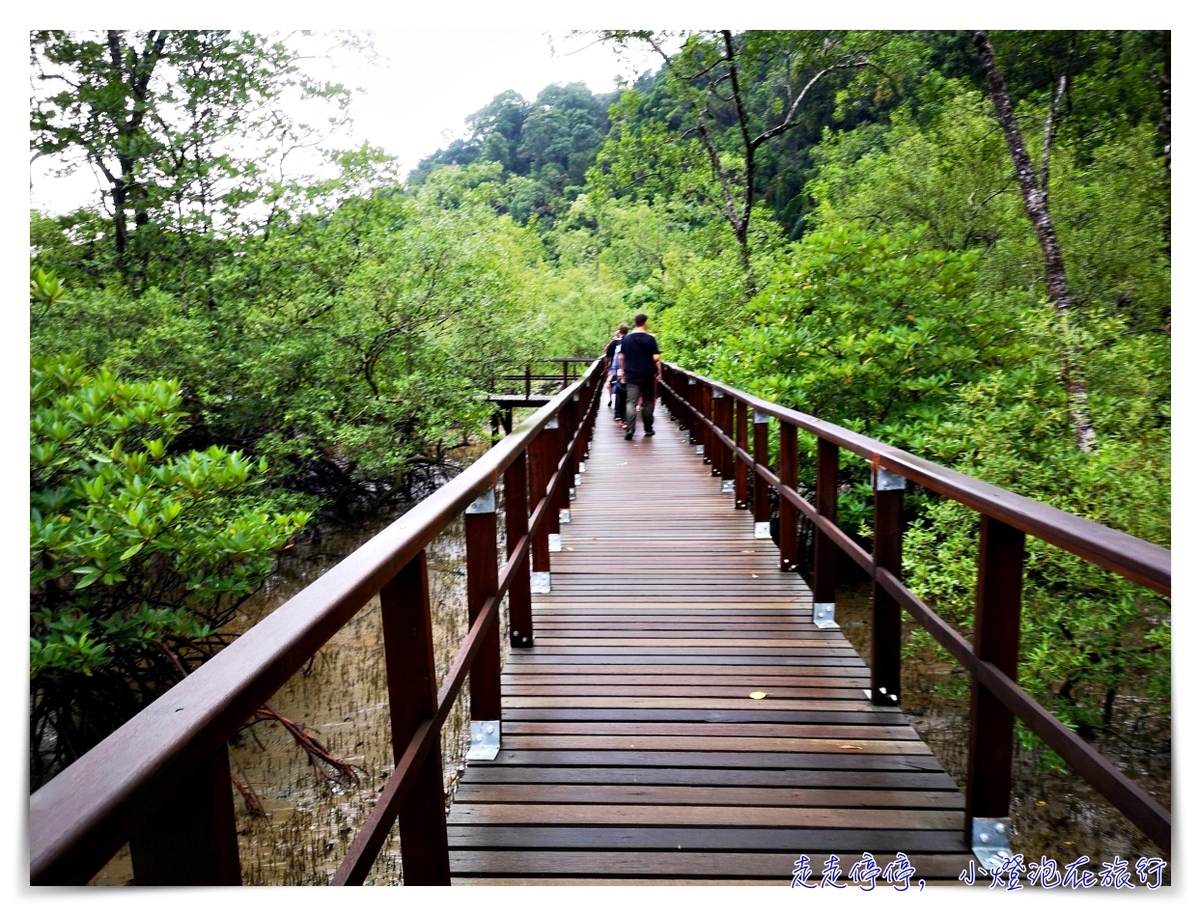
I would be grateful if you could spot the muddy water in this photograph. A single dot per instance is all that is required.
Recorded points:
(1057, 815)
(341, 700)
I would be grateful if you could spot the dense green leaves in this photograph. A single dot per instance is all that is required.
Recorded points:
(138, 557)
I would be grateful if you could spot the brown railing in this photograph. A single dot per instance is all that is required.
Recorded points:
(161, 782)
(718, 418)
(568, 370)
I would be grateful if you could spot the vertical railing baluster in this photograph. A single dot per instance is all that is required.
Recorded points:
(692, 394)
(566, 480)
(997, 638)
(762, 458)
(741, 473)
(723, 417)
(824, 583)
(539, 478)
(412, 700)
(516, 526)
(885, 625)
(191, 840)
(482, 583)
(789, 515)
(707, 439)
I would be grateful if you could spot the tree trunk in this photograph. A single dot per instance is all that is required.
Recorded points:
(1036, 206)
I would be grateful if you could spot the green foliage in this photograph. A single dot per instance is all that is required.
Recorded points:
(138, 557)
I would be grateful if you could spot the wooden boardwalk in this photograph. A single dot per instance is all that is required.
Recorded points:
(632, 749)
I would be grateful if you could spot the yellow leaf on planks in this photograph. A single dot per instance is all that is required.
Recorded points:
(757, 694)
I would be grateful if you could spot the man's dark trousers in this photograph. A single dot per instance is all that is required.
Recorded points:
(635, 388)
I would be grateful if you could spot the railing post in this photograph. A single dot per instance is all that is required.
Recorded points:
(707, 439)
(566, 481)
(412, 700)
(789, 516)
(824, 583)
(191, 840)
(540, 470)
(482, 583)
(723, 417)
(565, 382)
(741, 473)
(693, 401)
(528, 380)
(516, 526)
(762, 458)
(997, 637)
(885, 626)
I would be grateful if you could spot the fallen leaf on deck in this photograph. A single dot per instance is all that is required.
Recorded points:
(849, 746)
(752, 575)
(758, 695)
(569, 549)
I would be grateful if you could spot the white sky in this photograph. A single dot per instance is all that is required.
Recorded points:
(418, 90)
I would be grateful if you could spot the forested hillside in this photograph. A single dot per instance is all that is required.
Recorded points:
(958, 243)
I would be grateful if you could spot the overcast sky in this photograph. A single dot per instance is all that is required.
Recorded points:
(417, 90)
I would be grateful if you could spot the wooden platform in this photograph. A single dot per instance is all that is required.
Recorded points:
(632, 749)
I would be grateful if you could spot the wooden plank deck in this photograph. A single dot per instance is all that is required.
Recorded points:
(632, 750)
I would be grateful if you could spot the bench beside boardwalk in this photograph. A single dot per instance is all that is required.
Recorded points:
(632, 750)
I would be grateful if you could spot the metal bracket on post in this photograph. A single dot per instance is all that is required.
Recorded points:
(582, 468)
(564, 516)
(699, 449)
(717, 394)
(484, 505)
(726, 486)
(551, 423)
(576, 481)
(762, 530)
(485, 740)
(539, 582)
(892, 696)
(691, 381)
(761, 417)
(823, 616)
(888, 481)
(990, 840)
(554, 542)
(571, 493)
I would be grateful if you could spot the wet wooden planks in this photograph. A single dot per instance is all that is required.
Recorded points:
(632, 750)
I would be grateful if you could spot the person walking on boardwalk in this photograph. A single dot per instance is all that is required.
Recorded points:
(639, 366)
(616, 385)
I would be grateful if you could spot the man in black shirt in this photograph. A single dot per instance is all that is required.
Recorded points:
(639, 366)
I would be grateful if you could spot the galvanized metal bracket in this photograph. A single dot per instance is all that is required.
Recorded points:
(691, 381)
(539, 582)
(582, 468)
(823, 616)
(699, 449)
(726, 486)
(575, 398)
(485, 740)
(555, 542)
(551, 423)
(571, 492)
(888, 481)
(484, 505)
(761, 417)
(576, 481)
(762, 530)
(564, 516)
(891, 696)
(990, 840)
(717, 395)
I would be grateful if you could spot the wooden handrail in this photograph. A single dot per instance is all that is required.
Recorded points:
(996, 697)
(83, 816)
